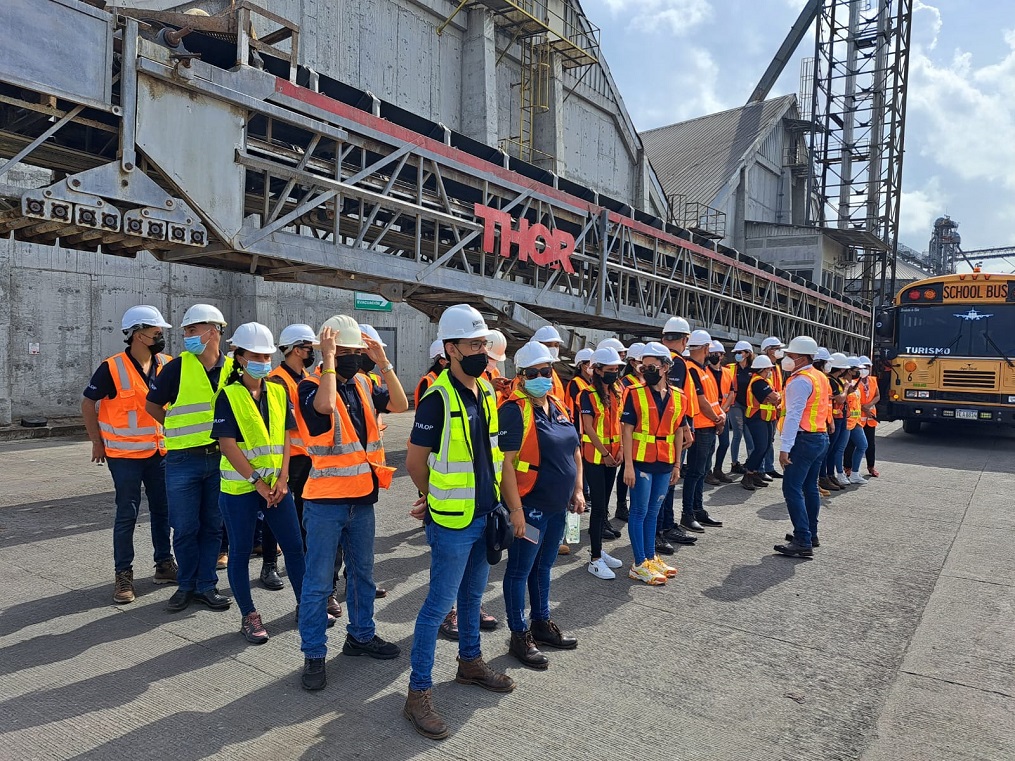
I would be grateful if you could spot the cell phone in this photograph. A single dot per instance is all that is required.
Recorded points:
(531, 533)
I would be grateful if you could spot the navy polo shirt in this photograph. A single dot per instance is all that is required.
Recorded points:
(558, 440)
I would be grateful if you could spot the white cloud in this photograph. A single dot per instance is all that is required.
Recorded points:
(918, 210)
(677, 16)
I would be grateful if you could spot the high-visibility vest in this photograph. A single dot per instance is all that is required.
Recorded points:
(280, 375)
(575, 387)
(711, 394)
(755, 406)
(421, 388)
(778, 384)
(526, 461)
(837, 388)
(630, 380)
(340, 465)
(868, 390)
(853, 410)
(452, 482)
(262, 445)
(606, 422)
(189, 418)
(654, 436)
(128, 431)
(817, 408)
(690, 393)
(558, 386)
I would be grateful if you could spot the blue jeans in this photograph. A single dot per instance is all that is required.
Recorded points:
(327, 526)
(761, 434)
(836, 446)
(735, 421)
(647, 497)
(859, 441)
(530, 564)
(192, 485)
(239, 511)
(698, 457)
(128, 475)
(723, 446)
(800, 485)
(458, 570)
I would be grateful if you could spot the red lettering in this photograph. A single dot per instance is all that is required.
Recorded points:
(537, 242)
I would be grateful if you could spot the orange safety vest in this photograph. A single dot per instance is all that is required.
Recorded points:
(340, 465)
(868, 390)
(690, 394)
(526, 461)
(558, 386)
(836, 406)
(574, 388)
(711, 394)
(128, 431)
(726, 387)
(654, 436)
(768, 412)
(818, 407)
(297, 445)
(424, 383)
(853, 408)
(607, 426)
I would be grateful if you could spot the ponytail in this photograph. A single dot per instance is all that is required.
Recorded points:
(236, 371)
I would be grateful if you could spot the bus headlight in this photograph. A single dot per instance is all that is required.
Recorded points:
(914, 394)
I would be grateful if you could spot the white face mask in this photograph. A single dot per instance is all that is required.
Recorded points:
(788, 364)
(864, 372)
(779, 354)
(554, 352)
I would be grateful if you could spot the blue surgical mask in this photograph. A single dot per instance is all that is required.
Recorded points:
(538, 386)
(739, 356)
(257, 370)
(194, 344)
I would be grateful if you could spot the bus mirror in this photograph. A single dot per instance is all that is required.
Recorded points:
(884, 324)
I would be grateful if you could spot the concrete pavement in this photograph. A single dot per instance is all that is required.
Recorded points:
(895, 642)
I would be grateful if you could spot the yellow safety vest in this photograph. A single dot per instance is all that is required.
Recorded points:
(189, 418)
(262, 445)
(452, 492)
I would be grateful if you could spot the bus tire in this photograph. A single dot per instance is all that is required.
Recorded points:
(911, 426)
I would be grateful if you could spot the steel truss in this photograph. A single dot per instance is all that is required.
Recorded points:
(332, 195)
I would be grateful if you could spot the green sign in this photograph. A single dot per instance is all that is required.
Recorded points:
(370, 302)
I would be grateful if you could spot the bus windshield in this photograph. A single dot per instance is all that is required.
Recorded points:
(987, 330)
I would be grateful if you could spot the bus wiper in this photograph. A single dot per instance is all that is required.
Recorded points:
(947, 348)
(997, 348)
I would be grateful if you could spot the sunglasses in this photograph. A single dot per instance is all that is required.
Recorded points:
(531, 373)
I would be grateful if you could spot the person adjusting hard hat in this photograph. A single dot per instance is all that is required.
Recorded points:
(498, 346)
(142, 316)
(532, 353)
(676, 325)
(347, 332)
(200, 313)
(253, 337)
(699, 338)
(371, 332)
(296, 334)
(461, 321)
(761, 362)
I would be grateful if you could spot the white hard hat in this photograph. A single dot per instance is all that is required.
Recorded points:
(255, 337)
(803, 345)
(583, 355)
(547, 335)
(839, 361)
(462, 321)
(716, 347)
(854, 362)
(143, 316)
(822, 354)
(296, 334)
(498, 346)
(866, 360)
(634, 351)
(531, 354)
(771, 343)
(612, 343)
(437, 349)
(699, 338)
(606, 356)
(744, 346)
(676, 325)
(371, 332)
(347, 332)
(657, 350)
(761, 362)
(203, 313)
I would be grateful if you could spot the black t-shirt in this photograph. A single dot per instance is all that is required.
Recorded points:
(741, 379)
(225, 426)
(630, 416)
(558, 441)
(429, 427)
(102, 386)
(166, 386)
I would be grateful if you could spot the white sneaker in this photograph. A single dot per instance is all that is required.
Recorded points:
(600, 570)
(857, 479)
(611, 561)
(841, 480)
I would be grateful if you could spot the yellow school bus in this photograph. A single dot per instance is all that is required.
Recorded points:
(946, 350)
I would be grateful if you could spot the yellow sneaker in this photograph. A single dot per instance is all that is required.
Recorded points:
(647, 574)
(657, 565)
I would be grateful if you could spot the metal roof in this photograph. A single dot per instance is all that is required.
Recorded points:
(698, 157)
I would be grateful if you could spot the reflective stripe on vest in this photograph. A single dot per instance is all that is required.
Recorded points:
(342, 467)
(607, 427)
(853, 410)
(711, 394)
(297, 445)
(452, 490)
(754, 406)
(263, 446)
(189, 418)
(868, 390)
(526, 461)
(580, 385)
(818, 406)
(128, 431)
(654, 435)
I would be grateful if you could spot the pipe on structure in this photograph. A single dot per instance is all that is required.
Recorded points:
(788, 47)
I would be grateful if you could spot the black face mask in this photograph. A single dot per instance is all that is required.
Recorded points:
(651, 375)
(713, 359)
(157, 345)
(309, 360)
(610, 377)
(347, 365)
(474, 365)
(366, 364)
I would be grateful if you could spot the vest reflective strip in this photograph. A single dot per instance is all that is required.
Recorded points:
(121, 370)
(351, 470)
(186, 430)
(324, 450)
(132, 429)
(262, 451)
(188, 409)
(445, 494)
(444, 466)
(134, 446)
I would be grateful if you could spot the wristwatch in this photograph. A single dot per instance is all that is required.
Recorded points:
(254, 477)
(387, 368)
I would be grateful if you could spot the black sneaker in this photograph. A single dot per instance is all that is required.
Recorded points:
(814, 541)
(773, 474)
(609, 528)
(678, 536)
(375, 648)
(314, 675)
(622, 514)
(662, 546)
(179, 601)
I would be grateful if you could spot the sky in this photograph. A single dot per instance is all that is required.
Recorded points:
(708, 55)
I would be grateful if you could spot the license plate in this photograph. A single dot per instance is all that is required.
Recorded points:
(966, 414)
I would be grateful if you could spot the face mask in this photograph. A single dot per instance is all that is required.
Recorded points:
(610, 377)
(474, 365)
(651, 375)
(257, 370)
(366, 364)
(739, 356)
(193, 344)
(788, 364)
(347, 365)
(713, 359)
(864, 372)
(779, 354)
(157, 345)
(538, 386)
(309, 360)
(554, 352)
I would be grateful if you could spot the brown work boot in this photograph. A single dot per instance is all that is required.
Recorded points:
(334, 606)
(165, 571)
(711, 480)
(222, 562)
(123, 587)
(424, 717)
(721, 477)
(477, 672)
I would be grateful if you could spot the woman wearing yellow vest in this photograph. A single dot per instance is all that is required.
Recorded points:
(130, 442)
(759, 418)
(652, 440)
(182, 398)
(253, 425)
